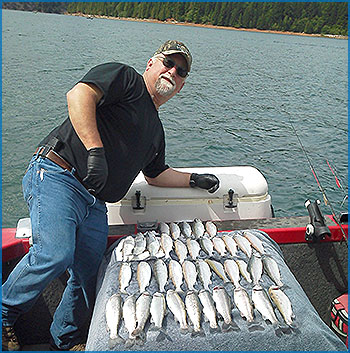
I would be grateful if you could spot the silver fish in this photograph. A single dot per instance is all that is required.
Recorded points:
(177, 307)
(161, 273)
(193, 309)
(243, 269)
(118, 251)
(125, 274)
(243, 243)
(263, 304)
(190, 273)
(143, 256)
(219, 245)
(256, 243)
(185, 229)
(211, 228)
(232, 271)
(153, 244)
(255, 267)
(271, 268)
(144, 274)
(197, 228)
(206, 245)
(204, 273)
(140, 244)
(223, 306)
(175, 273)
(129, 316)
(283, 304)
(167, 244)
(209, 310)
(113, 316)
(143, 306)
(180, 250)
(175, 230)
(164, 228)
(231, 245)
(243, 303)
(158, 311)
(217, 268)
(193, 248)
(128, 247)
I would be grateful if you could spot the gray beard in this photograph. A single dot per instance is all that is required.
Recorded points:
(163, 87)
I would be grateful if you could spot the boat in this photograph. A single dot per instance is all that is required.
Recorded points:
(317, 260)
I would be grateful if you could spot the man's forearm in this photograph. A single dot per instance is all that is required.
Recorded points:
(170, 178)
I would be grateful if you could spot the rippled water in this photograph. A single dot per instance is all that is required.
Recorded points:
(233, 109)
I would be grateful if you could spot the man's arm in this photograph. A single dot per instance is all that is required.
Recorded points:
(170, 178)
(82, 100)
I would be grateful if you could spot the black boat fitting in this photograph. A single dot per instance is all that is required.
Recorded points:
(316, 230)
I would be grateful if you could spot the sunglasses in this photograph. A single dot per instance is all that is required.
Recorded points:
(167, 62)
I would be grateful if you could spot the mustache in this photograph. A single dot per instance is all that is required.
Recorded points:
(168, 77)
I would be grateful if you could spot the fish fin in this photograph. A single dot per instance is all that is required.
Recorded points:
(214, 329)
(112, 342)
(198, 333)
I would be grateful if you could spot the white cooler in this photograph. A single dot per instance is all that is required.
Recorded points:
(243, 194)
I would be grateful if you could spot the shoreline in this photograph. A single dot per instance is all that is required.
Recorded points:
(189, 24)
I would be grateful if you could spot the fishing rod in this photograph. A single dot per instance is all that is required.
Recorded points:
(326, 200)
(338, 181)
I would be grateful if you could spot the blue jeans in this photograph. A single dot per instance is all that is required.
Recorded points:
(69, 229)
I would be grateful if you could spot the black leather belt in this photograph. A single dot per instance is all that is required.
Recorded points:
(45, 151)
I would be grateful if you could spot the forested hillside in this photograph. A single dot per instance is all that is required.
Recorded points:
(307, 17)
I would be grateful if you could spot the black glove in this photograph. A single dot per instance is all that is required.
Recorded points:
(205, 181)
(97, 170)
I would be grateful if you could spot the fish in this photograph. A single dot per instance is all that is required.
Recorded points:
(176, 275)
(231, 245)
(223, 306)
(197, 228)
(243, 303)
(283, 305)
(255, 242)
(143, 307)
(219, 245)
(113, 318)
(180, 250)
(140, 244)
(243, 269)
(211, 228)
(125, 274)
(153, 243)
(118, 251)
(144, 274)
(243, 243)
(209, 310)
(204, 273)
(158, 311)
(163, 228)
(193, 248)
(271, 268)
(128, 247)
(177, 307)
(186, 230)
(190, 274)
(255, 267)
(206, 245)
(217, 268)
(143, 256)
(166, 244)
(129, 316)
(193, 309)
(263, 304)
(175, 230)
(232, 270)
(161, 273)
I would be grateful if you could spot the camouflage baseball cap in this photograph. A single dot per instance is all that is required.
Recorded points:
(175, 47)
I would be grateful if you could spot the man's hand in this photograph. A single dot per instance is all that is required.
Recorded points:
(205, 181)
(97, 170)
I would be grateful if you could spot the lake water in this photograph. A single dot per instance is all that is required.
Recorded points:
(233, 110)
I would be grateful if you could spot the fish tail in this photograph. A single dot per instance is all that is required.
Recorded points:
(130, 342)
(112, 342)
(153, 327)
(137, 332)
(214, 329)
(184, 330)
(196, 333)
(226, 327)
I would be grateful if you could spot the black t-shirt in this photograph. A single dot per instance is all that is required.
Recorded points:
(131, 131)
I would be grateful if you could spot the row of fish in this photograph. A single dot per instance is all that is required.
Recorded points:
(136, 312)
(153, 245)
(201, 269)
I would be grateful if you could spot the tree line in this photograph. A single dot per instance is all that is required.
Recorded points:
(307, 17)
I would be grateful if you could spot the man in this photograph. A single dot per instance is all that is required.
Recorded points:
(112, 133)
